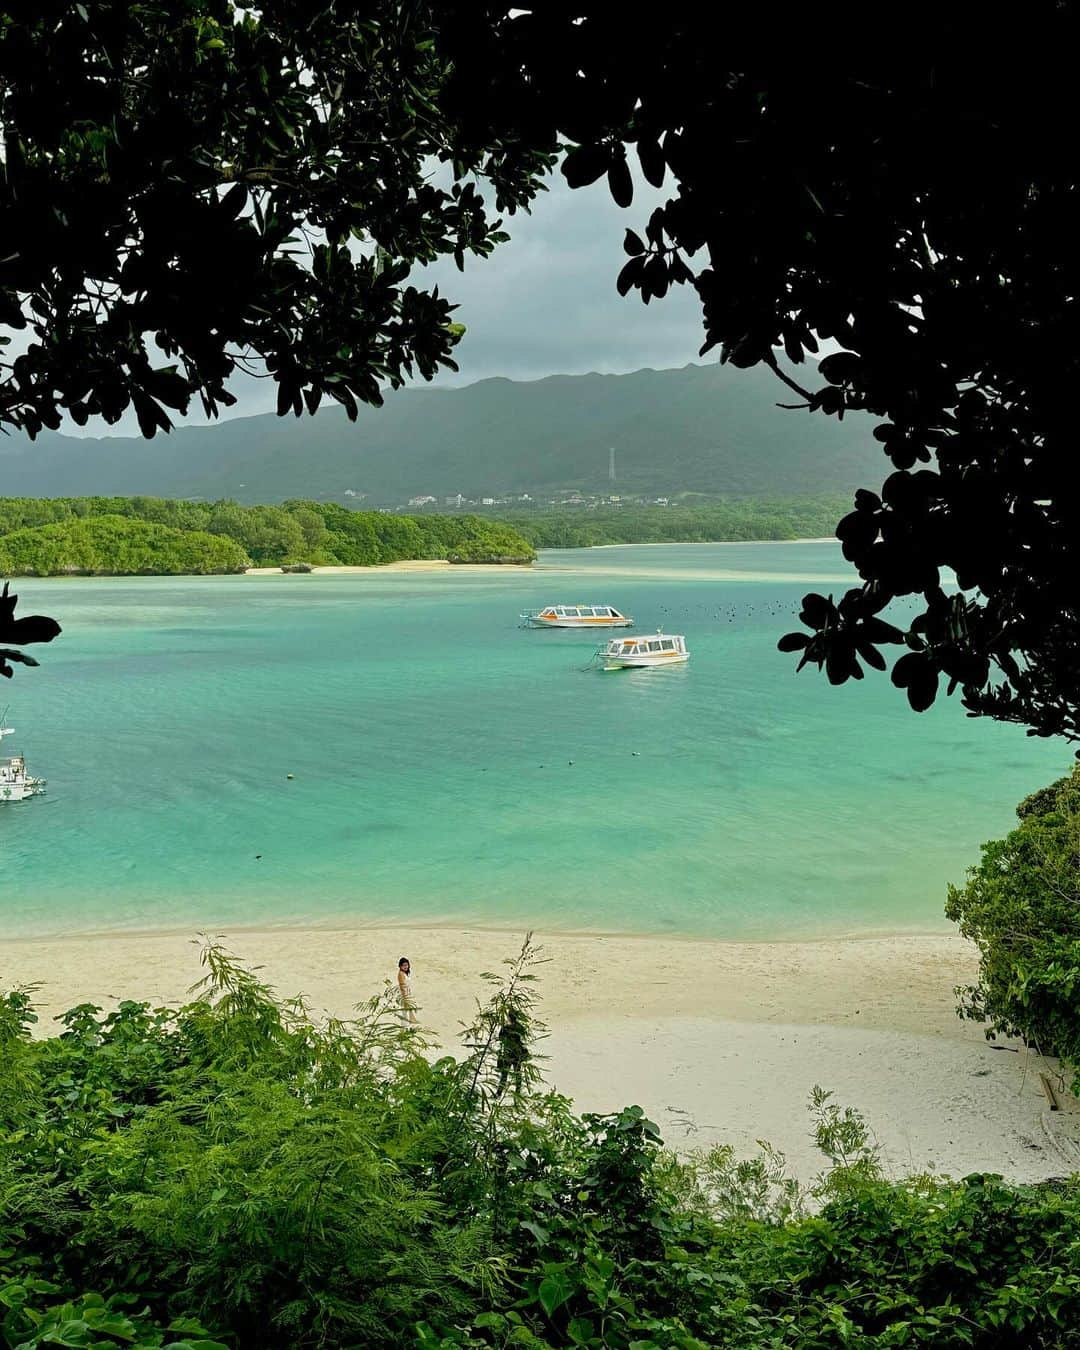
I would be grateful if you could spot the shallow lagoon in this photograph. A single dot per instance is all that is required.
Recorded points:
(450, 767)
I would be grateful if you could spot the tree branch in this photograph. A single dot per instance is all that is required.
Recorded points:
(774, 366)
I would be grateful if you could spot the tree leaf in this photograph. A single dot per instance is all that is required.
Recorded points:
(620, 183)
(555, 1289)
(585, 164)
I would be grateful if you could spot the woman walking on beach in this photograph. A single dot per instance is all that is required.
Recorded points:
(405, 994)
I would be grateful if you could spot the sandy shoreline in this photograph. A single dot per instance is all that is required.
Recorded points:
(441, 565)
(721, 543)
(407, 565)
(719, 1041)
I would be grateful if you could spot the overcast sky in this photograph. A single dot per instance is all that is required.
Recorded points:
(543, 304)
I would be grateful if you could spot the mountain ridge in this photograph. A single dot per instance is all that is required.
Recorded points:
(697, 428)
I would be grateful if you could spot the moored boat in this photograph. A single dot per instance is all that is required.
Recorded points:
(651, 649)
(576, 616)
(15, 783)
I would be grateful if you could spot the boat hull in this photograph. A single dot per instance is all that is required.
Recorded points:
(639, 662)
(581, 623)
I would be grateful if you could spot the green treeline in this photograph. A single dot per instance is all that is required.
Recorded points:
(231, 1175)
(117, 546)
(153, 535)
(53, 536)
(681, 523)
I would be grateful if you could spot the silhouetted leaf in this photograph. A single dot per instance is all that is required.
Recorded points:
(620, 183)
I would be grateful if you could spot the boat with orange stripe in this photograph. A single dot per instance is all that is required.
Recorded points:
(576, 616)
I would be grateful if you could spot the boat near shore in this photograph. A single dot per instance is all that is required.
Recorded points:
(652, 649)
(576, 616)
(15, 783)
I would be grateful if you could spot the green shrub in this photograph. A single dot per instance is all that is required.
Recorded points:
(290, 1184)
(1021, 906)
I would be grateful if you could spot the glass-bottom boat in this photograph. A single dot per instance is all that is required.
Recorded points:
(576, 616)
(653, 649)
(15, 783)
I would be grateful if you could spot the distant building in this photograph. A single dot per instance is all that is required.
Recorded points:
(455, 500)
(487, 501)
(423, 501)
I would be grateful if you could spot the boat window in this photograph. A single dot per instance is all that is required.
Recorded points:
(654, 647)
(667, 645)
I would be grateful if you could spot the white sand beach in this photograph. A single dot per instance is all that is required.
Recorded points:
(719, 1042)
(406, 565)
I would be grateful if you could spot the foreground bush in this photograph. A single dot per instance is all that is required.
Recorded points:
(236, 1166)
(1021, 906)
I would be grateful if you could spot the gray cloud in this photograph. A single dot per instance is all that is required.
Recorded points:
(545, 303)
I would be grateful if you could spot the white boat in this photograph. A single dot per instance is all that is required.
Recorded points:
(652, 649)
(576, 616)
(15, 783)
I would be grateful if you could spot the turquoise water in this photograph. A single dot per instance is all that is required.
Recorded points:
(431, 743)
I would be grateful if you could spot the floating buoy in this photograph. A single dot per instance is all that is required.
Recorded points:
(289, 775)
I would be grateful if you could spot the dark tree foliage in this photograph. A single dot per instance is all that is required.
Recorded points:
(189, 187)
(22, 632)
(917, 209)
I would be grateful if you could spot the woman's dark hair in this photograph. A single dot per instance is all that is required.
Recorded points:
(403, 961)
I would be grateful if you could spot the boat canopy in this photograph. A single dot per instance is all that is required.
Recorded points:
(581, 612)
(640, 646)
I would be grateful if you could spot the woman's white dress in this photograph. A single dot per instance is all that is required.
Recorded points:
(405, 995)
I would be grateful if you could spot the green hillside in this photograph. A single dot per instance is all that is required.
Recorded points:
(708, 429)
(131, 536)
